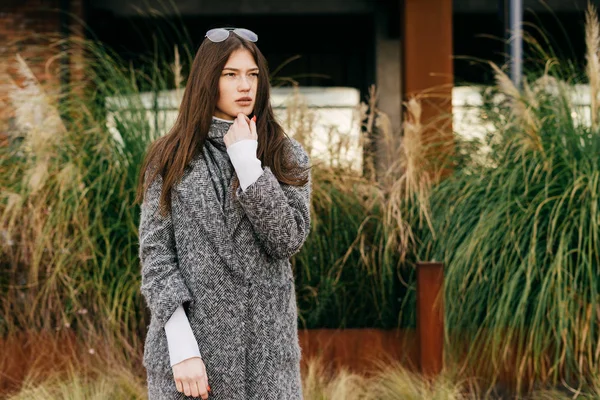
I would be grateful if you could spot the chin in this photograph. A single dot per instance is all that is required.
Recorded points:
(235, 110)
(244, 110)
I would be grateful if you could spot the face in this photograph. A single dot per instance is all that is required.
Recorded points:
(237, 86)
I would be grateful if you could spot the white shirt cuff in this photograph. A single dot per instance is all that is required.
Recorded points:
(243, 157)
(180, 338)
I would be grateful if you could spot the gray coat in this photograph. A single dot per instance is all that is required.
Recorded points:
(230, 269)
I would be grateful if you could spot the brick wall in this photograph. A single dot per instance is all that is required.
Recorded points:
(31, 28)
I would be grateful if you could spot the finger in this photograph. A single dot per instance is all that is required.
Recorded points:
(205, 379)
(244, 120)
(253, 129)
(186, 388)
(202, 390)
(240, 118)
(179, 385)
(194, 388)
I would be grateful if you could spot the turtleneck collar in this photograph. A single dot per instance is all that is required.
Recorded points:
(229, 121)
(216, 132)
(218, 128)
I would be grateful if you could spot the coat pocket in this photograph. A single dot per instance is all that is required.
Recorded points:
(285, 312)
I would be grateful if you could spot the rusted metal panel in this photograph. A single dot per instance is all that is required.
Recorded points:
(359, 350)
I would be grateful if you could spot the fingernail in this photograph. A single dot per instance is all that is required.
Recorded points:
(254, 118)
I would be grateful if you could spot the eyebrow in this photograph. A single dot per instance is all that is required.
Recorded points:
(237, 70)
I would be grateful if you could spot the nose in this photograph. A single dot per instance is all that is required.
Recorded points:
(244, 85)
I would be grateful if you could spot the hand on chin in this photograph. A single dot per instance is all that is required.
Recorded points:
(242, 128)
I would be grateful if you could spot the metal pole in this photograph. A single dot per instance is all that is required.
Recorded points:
(516, 44)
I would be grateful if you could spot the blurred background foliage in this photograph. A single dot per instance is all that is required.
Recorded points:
(516, 222)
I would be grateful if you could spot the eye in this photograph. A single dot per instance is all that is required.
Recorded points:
(229, 74)
(254, 74)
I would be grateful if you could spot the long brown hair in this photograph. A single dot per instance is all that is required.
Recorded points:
(170, 154)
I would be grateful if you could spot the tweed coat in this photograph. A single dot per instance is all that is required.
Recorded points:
(230, 269)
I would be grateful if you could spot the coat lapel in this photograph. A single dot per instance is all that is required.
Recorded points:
(234, 211)
(202, 198)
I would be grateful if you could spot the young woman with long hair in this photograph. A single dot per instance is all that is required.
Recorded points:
(225, 203)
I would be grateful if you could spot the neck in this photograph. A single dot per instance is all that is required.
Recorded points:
(221, 119)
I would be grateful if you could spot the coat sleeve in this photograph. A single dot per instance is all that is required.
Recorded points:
(279, 213)
(162, 286)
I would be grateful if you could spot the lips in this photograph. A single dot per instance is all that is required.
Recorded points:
(244, 100)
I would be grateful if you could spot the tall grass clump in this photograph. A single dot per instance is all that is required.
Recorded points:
(355, 271)
(519, 232)
(67, 214)
(347, 270)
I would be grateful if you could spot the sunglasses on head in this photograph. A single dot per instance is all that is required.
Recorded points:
(220, 34)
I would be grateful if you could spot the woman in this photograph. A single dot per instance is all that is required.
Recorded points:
(226, 203)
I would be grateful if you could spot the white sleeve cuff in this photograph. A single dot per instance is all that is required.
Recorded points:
(243, 157)
(180, 338)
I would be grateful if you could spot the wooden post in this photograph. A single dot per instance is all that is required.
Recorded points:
(430, 316)
(428, 73)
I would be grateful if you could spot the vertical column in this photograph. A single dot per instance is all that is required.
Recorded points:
(430, 316)
(427, 70)
(516, 46)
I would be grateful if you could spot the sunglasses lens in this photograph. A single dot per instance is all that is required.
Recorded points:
(246, 34)
(217, 35)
